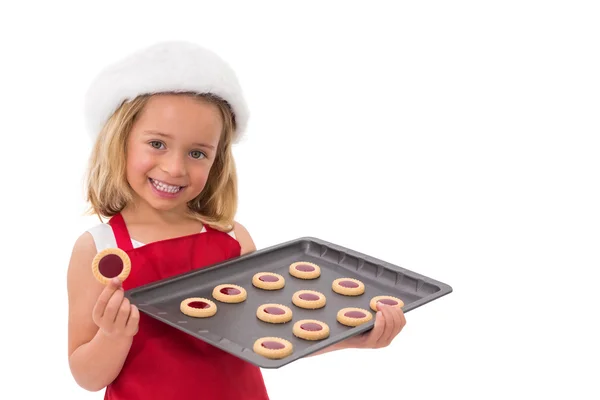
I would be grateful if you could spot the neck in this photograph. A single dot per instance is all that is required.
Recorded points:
(141, 212)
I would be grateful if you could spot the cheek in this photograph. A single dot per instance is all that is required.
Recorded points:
(199, 175)
(138, 165)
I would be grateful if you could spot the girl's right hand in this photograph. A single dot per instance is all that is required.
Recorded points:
(114, 314)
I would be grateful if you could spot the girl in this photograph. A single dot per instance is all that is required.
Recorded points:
(161, 170)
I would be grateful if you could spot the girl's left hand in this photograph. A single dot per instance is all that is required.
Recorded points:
(389, 321)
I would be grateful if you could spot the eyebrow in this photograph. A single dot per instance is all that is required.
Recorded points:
(166, 135)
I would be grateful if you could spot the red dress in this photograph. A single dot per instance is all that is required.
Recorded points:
(165, 363)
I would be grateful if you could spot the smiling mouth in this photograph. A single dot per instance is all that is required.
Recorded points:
(165, 187)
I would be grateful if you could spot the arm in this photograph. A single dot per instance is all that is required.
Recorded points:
(96, 356)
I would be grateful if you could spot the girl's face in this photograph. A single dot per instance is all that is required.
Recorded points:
(171, 149)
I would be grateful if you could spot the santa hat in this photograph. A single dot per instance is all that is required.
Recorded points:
(172, 66)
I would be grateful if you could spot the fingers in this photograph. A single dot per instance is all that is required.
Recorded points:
(395, 318)
(388, 334)
(378, 330)
(395, 312)
(122, 315)
(133, 321)
(113, 306)
(103, 299)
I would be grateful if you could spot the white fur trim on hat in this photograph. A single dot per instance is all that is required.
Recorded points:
(173, 66)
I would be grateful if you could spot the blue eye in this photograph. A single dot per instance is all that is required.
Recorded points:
(156, 144)
(197, 154)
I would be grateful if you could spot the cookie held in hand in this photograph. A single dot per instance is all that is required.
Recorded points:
(110, 263)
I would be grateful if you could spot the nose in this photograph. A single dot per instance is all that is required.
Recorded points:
(174, 165)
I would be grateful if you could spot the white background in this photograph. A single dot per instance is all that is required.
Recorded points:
(458, 139)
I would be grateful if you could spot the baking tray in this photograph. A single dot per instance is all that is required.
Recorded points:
(235, 327)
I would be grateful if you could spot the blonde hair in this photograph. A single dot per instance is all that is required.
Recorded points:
(108, 191)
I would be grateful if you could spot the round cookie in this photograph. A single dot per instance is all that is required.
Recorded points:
(305, 270)
(353, 316)
(274, 313)
(268, 281)
(311, 329)
(110, 263)
(228, 293)
(348, 286)
(309, 299)
(273, 347)
(198, 307)
(390, 301)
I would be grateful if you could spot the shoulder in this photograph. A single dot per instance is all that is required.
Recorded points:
(243, 237)
(82, 255)
(89, 243)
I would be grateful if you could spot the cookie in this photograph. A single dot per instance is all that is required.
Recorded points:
(228, 293)
(273, 347)
(268, 281)
(274, 313)
(309, 299)
(311, 329)
(198, 307)
(305, 270)
(348, 286)
(352, 316)
(110, 263)
(387, 300)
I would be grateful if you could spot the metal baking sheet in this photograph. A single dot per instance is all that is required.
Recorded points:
(235, 327)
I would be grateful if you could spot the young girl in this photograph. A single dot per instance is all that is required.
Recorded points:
(162, 173)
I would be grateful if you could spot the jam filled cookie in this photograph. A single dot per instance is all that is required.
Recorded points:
(305, 270)
(387, 300)
(198, 307)
(268, 281)
(110, 263)
(309, 299)
(311, 329)
(273, 347)
(348, 286)
(229, 293)
(352, 316)
(274, 313)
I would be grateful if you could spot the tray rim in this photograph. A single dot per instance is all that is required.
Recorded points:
(444, 289)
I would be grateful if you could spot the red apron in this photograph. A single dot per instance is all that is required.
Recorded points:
(165, 363)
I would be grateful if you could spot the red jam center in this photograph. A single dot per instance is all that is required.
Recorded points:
(389, 302)
(309, 296)
(268, 278)
(348, 284)
(110, 265)
(198, 304)
(271, 345)
(274, 310)
(230, 291)
(305, 268)
(311, 326)
(355, 314)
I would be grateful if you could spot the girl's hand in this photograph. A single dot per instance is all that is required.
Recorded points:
(114, 314)
(389, 321)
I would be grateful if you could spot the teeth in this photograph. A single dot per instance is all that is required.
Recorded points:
(163, 187)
